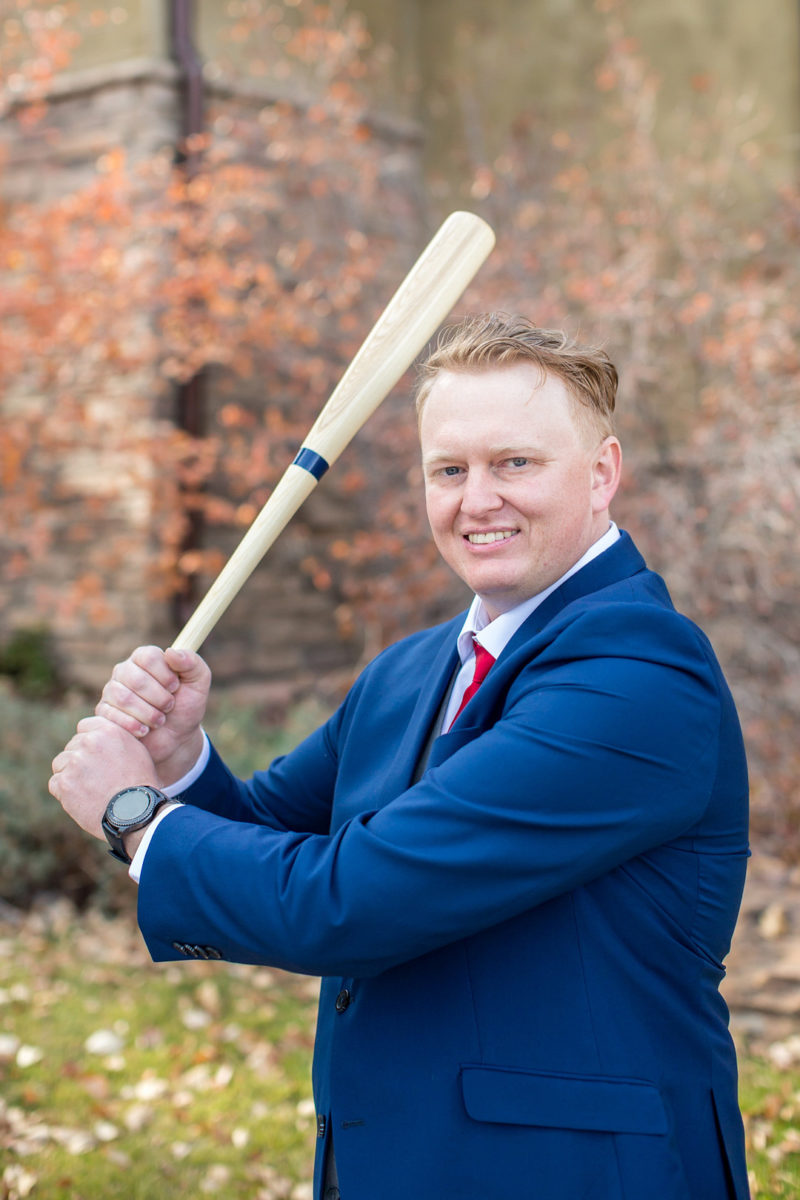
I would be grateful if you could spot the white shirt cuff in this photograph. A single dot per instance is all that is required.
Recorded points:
(172, 790)
(137, 863)
(191, 776)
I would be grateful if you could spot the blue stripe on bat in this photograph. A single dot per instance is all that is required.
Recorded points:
(312, 462)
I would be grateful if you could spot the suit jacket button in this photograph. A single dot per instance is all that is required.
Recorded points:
(322, 1125)
(212, 952)
(181, 947)
(343, 1000)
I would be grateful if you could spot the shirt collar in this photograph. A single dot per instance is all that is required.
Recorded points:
(495, 635)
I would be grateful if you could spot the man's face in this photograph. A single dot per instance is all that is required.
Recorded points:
(517, 488)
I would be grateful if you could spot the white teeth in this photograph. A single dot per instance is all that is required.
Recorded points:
(497, 536)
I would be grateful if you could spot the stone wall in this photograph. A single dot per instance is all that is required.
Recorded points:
(90, 492)
(95, 586)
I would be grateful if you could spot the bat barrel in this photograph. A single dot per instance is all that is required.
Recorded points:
(412, 316)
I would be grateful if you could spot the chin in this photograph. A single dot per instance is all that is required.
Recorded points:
(497, 596)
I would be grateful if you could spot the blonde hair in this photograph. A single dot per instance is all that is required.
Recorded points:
(492, 340)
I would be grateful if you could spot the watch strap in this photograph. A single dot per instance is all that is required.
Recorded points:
(116, 846)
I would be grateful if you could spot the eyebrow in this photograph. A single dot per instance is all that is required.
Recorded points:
(518, 452)
(493, 452)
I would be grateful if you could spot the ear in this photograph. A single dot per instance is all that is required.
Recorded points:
(606, 472)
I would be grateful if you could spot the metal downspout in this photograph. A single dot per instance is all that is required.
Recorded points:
(189, 396)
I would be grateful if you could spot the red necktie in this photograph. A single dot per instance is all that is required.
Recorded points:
(483, 661)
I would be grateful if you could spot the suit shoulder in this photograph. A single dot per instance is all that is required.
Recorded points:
(635, 619)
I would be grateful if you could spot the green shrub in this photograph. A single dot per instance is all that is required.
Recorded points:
(28, 659)
(41, 850)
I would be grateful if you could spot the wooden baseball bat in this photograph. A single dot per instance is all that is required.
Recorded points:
(412, 316)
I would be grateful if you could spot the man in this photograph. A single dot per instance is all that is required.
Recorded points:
(520, 890)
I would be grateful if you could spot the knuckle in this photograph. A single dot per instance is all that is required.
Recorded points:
(116, 693)
(120, 673)
(145, 656)
(124, 698)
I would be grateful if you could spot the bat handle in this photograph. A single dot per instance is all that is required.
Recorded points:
(293, 488)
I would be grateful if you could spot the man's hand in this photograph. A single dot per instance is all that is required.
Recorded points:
(98, 761)
(160, 697)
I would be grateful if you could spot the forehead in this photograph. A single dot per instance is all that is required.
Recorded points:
(497, 406)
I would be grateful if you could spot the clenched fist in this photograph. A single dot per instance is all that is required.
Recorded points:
(98, 761)
(160, 697)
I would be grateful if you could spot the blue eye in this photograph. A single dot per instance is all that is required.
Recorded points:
(451, 470)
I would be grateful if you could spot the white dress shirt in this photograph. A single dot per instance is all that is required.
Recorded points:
(494, 637)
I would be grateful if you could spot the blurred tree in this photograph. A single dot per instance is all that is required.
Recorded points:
(257, 268)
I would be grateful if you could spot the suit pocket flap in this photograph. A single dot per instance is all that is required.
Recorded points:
(589, 1102)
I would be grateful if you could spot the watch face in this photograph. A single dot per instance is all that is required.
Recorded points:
(132, 804)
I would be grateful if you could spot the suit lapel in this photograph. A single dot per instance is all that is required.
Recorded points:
(619, 562)
(434, 686)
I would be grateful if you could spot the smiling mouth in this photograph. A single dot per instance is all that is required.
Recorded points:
(495, 535)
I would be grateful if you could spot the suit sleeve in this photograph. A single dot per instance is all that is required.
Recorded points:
(295, 794)
(597, 757)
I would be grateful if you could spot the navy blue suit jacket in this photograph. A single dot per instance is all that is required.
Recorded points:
(527, 943)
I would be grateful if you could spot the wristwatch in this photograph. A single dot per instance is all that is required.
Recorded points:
(132, 808)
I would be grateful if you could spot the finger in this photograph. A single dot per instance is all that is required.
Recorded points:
(131, 725)
(63, 760)
(142, 682)
(133, 712)
(64, 757)
(155, 688)
(154, 661)
(95, 724)
(192, 669)
(78, 744)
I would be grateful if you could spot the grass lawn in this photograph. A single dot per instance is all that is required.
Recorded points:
(122, 1078)
(769, 1094)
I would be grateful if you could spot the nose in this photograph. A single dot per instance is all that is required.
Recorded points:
(479, 494)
